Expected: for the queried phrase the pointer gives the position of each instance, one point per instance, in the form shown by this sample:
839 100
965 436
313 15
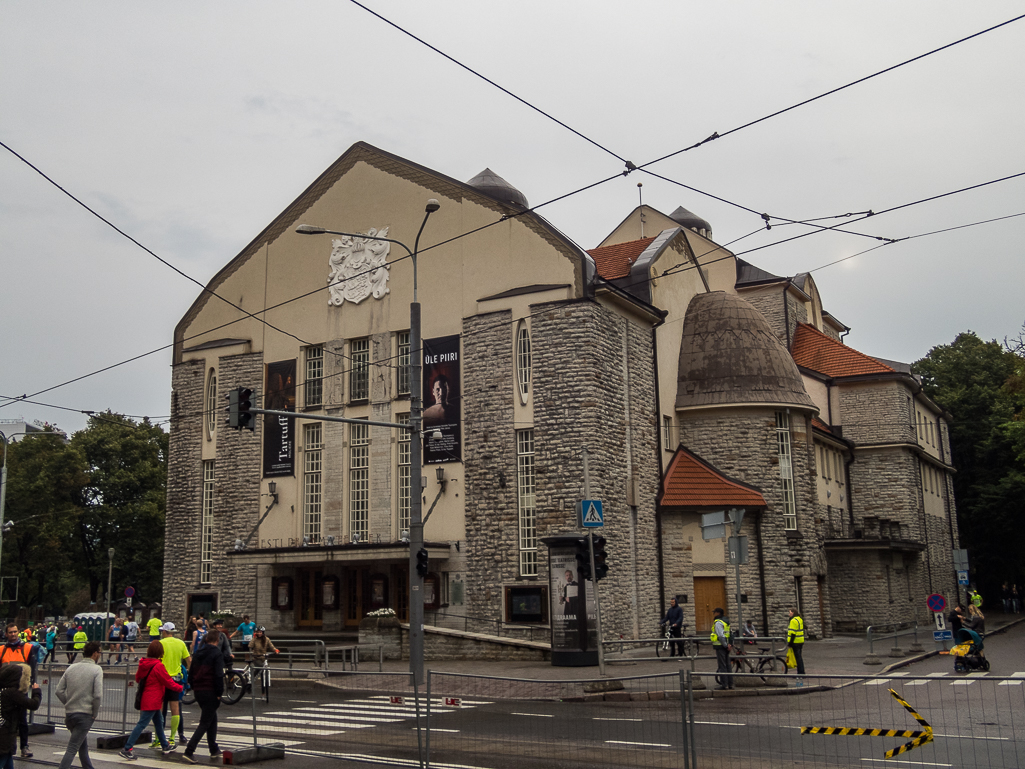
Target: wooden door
353 596
709 593
310 606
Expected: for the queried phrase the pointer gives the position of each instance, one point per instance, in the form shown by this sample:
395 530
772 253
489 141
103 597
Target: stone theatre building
695 381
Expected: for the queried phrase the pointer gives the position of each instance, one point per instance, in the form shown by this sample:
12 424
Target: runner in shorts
131 635
245 629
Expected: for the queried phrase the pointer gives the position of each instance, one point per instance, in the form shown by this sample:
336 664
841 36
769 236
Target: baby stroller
968 654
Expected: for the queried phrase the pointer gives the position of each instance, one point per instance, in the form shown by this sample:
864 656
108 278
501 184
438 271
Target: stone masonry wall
769 302
184 486
743 446
877 412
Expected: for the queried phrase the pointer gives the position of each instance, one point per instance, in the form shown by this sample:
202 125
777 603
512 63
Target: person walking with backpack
153 680
206 674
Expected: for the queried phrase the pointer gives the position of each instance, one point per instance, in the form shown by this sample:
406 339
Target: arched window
523 361
211 404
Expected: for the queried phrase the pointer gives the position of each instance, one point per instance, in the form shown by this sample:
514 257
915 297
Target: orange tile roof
614 261
691 482
816 422
814 350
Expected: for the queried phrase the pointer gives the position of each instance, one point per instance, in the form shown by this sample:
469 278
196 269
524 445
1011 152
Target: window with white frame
359 370
667 434
359 482
313 481
211 404
403 473
314 395
523 360
404 367
525 493
786 471
206 546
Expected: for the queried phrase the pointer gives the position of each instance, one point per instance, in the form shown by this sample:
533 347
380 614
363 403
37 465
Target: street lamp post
416 525
110 577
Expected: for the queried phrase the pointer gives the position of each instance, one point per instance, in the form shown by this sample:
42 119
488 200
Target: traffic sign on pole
591 514
129 591
936 602
962 578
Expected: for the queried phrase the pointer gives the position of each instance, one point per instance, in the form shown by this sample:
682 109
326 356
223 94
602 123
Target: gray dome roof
691 221
490 183
730 355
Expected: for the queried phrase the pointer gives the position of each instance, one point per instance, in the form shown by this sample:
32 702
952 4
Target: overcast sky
191 125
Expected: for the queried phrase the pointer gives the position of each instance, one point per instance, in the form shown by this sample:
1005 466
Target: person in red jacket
153 680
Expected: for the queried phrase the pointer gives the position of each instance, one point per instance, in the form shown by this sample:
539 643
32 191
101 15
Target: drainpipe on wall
661 472
786 311
761 574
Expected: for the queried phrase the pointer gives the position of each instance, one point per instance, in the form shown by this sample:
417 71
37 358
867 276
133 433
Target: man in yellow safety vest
722 640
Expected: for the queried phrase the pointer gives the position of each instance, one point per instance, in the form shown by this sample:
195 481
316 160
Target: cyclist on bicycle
261 646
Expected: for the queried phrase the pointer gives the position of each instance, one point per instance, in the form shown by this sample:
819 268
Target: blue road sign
936 602
962 578
591 514
942 635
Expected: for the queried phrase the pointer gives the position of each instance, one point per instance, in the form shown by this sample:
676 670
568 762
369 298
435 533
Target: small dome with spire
692 221
490 183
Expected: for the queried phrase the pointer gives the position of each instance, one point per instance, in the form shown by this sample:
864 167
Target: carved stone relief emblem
358 267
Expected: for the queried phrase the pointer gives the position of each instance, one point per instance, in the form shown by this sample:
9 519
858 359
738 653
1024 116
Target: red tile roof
816 422
614 261
691 482
814 350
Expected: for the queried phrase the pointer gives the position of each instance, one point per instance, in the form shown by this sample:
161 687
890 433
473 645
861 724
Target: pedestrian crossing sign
591 514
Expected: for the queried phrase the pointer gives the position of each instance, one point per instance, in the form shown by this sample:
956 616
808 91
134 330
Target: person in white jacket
81 691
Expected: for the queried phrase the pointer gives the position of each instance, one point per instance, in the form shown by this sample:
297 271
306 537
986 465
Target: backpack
139 691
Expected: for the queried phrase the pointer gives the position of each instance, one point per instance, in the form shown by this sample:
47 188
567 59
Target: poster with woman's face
442 397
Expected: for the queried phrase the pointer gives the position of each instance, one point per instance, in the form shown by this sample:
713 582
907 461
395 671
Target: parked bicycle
663 648
767 666
238 682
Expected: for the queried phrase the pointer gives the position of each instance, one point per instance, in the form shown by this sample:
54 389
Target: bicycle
764 667
663 647
238 682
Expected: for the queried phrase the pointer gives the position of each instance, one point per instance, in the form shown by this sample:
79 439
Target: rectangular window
404 473
403 373
839 468
207 535
667 434
786 471
359 483
313 482
525 488
822 462
921 470
314 395
359 370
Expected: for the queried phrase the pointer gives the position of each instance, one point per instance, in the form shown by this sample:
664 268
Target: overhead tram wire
717 135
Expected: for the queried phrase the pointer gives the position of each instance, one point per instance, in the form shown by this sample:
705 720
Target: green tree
122 504
979 384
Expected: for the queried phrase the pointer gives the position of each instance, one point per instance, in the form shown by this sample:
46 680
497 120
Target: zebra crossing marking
922 682
884 681
969 680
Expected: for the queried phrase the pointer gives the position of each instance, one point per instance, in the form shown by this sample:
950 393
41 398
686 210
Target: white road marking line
439 700
328 716
969 680
884 681
264 728
534 715
721 723
618 719
303 722
905 763
1013 683
435 729
375 708
923 683
397 761
642 744
970 737
310 702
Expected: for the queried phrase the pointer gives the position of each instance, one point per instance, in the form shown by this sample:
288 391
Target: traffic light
601 566
233 408
421 562
245 402
583 559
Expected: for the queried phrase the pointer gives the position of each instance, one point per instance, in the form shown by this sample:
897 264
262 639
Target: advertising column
572 611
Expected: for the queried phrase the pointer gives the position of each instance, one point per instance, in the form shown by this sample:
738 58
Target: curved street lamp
416 525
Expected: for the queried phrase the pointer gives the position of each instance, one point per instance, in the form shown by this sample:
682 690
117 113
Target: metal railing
894 631
486 626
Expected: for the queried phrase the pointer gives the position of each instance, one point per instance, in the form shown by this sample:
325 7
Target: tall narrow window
314 376
523 360
359 482
786 471
525 487
313 481
206 546
403 473
212 411
403 373
359 370
667 434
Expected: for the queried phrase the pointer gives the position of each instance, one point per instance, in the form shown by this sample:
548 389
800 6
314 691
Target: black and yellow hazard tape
919 738
850 732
